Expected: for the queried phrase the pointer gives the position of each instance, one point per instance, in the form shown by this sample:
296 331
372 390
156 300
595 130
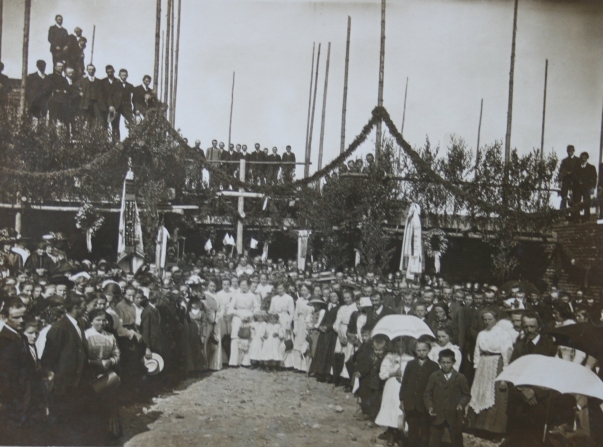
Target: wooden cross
241 194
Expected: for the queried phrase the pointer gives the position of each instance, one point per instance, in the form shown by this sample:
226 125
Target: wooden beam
247 195
175 98
309 148
546 77
479 133
511 82
157 46
381 76
324 110
92 48
172 39
25 56
166 69
307 159
231 107
1 16
345 86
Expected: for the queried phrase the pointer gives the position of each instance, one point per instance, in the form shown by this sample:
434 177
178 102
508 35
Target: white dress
258 330
241 307
435 350
389 413
340 326
302 322
273 348
284 307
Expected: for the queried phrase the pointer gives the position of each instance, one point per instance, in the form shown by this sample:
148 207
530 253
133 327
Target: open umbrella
561 375
582 336
393 326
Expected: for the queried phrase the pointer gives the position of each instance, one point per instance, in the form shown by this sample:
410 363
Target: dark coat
112 92
36 262
141 105
17 368
91 91
150 329
57 37
414 383
372 318
586 176
38 90
445 395
65 354
5 88
126 89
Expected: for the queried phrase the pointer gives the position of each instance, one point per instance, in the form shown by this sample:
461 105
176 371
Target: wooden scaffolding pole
25 56
404 111
345 86
166 68
172 39
157 46
546 78
1 16
511 79
231 107
307 156
309 148
159 81
600 149
92 48
174 99
324 110
381 76
479 134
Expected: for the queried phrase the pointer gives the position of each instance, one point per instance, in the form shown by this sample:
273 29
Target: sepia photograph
301 223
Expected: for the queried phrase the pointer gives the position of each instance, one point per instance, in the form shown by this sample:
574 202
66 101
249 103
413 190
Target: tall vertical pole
171 101
176 64
157 46
324 110
381 76
479 134
241 207
345 86
166 68
307 155
159 81
231 107
510 104
25 56
92 49
546 77
600 150
1 15
309 148
404 112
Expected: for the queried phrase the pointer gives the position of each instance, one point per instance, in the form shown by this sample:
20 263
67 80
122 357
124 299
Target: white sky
454 53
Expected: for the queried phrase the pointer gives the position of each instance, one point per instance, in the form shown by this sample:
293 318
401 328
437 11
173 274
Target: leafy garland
88 219
435 243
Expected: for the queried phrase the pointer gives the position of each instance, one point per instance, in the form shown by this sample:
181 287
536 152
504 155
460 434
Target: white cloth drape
411 259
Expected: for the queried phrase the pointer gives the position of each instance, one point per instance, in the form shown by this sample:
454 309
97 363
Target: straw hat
154 365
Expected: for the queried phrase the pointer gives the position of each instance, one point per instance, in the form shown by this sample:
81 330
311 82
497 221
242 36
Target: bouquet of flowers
89 220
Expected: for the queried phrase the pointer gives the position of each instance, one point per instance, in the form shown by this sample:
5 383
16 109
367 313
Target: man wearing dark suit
124 104
38 91
414 382
57 37
446 396
65 355
143 97
274 158
527 407
74 90
257 170
92 104
58 96
407 306
586 180
567 174
247 156
378 311
13 362
112 91
150 327
39 260
75 52
288 170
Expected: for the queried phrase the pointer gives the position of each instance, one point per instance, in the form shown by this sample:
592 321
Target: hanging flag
208 245
265 252
228 240
357 257
161 248
302 248
265 204
130 249
411 258
254 244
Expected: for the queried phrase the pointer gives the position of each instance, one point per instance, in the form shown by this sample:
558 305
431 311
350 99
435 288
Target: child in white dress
258 330
273 339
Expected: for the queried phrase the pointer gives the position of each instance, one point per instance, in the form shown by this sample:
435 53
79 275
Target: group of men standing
579 177
72 90
261 167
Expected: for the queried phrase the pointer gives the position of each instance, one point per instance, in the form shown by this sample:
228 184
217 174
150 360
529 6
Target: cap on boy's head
447 353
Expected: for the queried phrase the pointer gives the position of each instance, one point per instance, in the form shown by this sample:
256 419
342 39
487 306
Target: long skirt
389 413
213 346
324 354
493 419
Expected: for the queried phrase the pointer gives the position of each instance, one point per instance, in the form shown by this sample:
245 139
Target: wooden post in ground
381 76
546 77
231 107
157 46
25 56
324 110
174 99
92 48
510 103
345 86
479 133
309 148
166 68
307 156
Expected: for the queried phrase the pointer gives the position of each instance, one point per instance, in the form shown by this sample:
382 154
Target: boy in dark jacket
414 382
368 364
446 396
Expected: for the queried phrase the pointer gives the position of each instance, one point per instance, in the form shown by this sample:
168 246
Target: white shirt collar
536 339
91 78
74 322
447 375
11 329
42 75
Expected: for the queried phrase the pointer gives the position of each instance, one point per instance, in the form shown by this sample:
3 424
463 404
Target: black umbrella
582 336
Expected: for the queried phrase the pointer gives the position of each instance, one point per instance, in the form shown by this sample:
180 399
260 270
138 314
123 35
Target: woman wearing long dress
493 349
302 322
325 347
392 371
213 344
344 348
319 308
242 307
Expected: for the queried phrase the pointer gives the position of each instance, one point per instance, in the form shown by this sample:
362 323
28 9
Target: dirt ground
242 407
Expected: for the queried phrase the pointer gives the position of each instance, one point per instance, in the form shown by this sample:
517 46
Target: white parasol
393 326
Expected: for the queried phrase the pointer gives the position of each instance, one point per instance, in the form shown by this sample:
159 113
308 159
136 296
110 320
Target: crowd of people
80 338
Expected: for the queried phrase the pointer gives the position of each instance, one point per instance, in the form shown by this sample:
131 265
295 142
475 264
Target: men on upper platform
58 37
92 104
38 91
143 97
288 169
567 174
586 180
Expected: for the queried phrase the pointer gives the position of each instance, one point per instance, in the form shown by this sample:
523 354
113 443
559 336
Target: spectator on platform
274 166
143 97
198 148
58 39
288 169
5 88
124 106
76 44
112 93
92 104
59 97
38 91
257 169
586 180
567 175
73 96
